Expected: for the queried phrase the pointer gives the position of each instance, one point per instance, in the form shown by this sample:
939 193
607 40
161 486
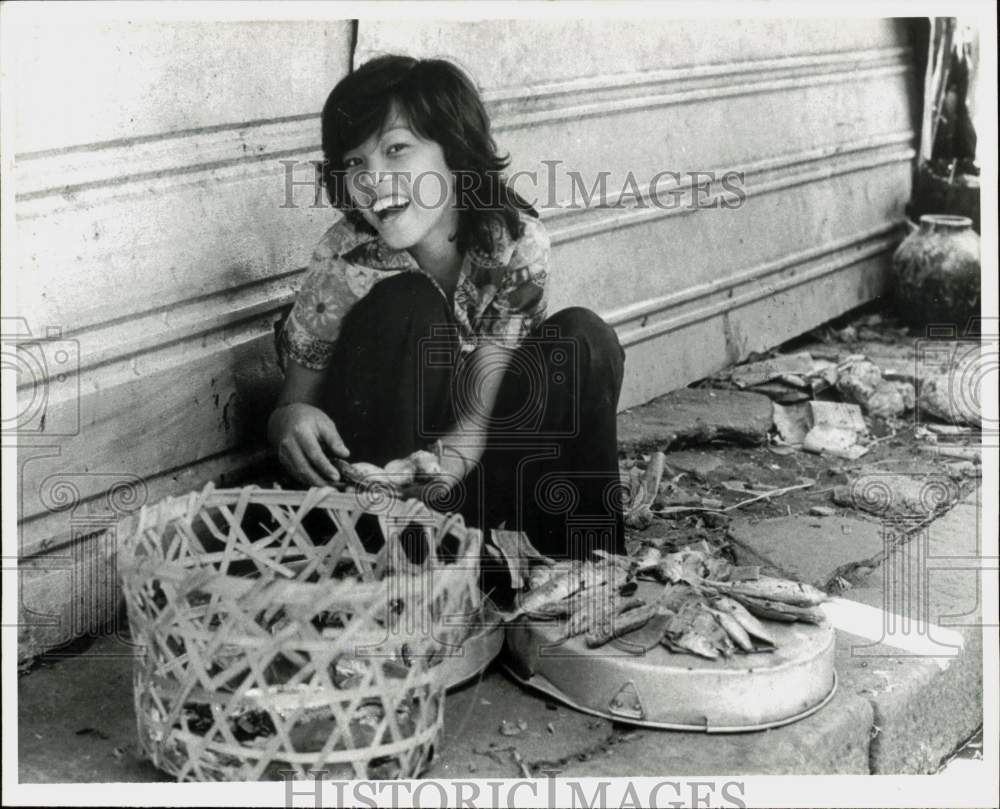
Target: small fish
588 612
739 613
706 625
780 611
696 644
629 615
426 464
734 629
363 474
560 586
774 589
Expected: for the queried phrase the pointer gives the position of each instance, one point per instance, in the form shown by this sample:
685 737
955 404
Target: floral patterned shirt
500 297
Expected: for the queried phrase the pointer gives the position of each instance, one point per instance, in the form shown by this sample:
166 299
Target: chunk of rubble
952 396
838 429
784 378
792 422
860 381
696 416
889 494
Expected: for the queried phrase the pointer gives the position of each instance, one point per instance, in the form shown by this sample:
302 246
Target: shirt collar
370 250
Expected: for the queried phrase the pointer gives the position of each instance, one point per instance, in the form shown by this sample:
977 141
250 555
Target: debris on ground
100 734
860 381
952 395
792 423
512 728
902 496
714 474
882 369
784 377
638 514
837 429
696 416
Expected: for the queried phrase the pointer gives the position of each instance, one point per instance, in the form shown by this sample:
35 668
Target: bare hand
302 436
435 488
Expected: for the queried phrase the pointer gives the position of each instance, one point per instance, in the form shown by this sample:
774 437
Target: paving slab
695 462
833 741
811 549
76 719
925 702
696 415
474 747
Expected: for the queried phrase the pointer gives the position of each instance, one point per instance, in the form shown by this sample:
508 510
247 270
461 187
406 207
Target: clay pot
937 274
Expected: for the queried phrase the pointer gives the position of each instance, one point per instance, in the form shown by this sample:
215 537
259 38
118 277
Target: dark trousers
550 467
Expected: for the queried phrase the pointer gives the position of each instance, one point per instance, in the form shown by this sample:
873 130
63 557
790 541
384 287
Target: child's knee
584 325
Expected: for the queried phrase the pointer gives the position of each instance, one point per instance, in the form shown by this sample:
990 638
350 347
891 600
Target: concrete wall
151 232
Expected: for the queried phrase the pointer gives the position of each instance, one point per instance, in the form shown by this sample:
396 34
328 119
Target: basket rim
184 509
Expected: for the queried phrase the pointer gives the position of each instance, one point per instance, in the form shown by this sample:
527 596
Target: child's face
402 185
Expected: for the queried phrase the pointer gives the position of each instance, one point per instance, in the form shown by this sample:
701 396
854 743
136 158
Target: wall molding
87 174
759 283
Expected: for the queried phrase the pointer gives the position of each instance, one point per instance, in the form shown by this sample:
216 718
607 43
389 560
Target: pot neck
942 223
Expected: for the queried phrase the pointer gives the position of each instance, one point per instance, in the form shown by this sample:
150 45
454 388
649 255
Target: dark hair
441 104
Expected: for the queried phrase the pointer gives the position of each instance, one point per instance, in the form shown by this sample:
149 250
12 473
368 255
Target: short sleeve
328 290
520 303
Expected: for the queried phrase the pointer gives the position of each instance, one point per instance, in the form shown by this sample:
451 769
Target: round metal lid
663 689
475 655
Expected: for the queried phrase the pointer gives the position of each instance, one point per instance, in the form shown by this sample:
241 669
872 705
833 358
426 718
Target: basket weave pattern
281 635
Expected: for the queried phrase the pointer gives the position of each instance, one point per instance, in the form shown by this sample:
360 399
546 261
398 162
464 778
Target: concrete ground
909 629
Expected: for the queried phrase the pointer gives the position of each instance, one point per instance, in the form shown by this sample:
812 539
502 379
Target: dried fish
427 464
780 611
591 610
631 614
739 613
734 629
348 671
691 642
402 472
775 589
560 586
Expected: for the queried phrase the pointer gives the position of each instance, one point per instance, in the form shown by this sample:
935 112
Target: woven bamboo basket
289 632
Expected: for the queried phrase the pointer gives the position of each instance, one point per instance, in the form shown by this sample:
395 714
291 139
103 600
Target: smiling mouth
386 209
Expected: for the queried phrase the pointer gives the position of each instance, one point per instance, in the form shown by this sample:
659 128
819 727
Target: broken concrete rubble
952 396
696 415
861 381
792 423
837 429
899 496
